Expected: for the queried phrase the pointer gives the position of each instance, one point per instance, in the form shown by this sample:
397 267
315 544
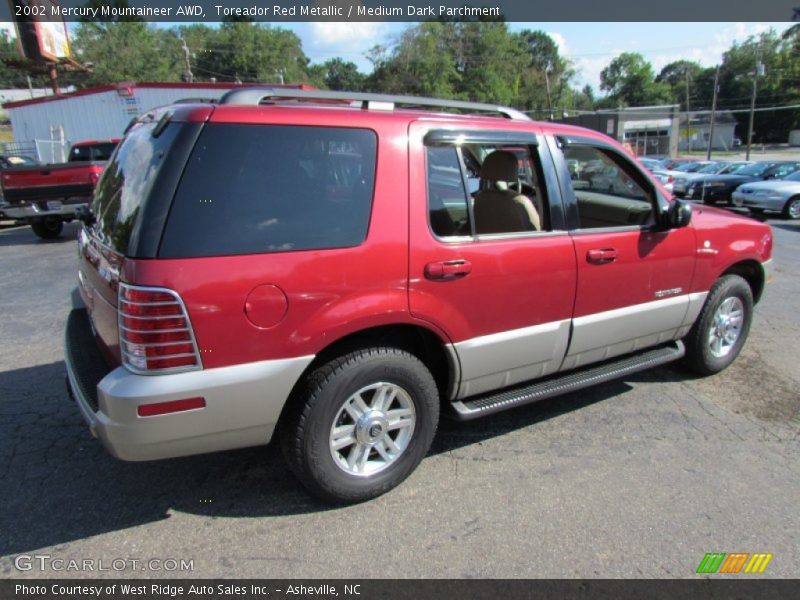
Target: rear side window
250 189
95 152
127 181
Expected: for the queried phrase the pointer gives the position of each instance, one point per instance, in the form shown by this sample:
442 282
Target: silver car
781 195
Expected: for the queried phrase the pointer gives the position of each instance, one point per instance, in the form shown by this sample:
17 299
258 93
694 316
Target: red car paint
331 294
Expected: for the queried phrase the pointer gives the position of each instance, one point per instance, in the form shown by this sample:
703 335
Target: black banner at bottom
367 589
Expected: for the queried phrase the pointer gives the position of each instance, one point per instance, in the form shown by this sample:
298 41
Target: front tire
362 424
48 228
718 334
791 209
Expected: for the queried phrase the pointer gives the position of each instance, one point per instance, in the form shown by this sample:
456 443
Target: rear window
94 152
126 182
250 189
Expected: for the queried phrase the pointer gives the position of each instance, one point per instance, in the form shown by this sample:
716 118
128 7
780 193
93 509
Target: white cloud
560 41
345 34
349 41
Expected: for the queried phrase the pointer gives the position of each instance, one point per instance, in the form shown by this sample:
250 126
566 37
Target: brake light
155 334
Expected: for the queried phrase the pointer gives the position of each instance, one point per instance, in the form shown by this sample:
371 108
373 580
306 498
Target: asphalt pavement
636 478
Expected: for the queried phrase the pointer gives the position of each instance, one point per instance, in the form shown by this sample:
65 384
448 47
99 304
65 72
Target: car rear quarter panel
330 293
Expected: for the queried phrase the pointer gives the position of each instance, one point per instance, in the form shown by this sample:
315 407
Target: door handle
600 256
448 269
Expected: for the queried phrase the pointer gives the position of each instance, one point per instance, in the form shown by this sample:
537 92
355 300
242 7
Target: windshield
755 170
793 177
686 167
99 152
712 168
734 168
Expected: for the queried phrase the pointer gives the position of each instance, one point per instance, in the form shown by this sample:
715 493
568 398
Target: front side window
609 190
484 189
250 189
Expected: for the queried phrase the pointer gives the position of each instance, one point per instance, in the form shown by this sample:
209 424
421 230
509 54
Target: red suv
334 269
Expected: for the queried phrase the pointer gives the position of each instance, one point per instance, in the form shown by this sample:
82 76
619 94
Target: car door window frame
546 178
635 172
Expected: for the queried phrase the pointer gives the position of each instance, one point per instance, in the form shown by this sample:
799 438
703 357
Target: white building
101 112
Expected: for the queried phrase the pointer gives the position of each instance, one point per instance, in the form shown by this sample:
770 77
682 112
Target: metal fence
46 151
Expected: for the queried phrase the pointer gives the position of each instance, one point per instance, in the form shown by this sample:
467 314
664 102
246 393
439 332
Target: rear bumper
39 210
243 402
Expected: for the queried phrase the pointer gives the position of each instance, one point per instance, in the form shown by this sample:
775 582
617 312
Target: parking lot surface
636 478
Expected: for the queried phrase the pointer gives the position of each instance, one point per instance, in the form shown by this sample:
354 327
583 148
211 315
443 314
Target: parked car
47 196
667 176
8 161
680 183
717 189
279 265
651 164
781 196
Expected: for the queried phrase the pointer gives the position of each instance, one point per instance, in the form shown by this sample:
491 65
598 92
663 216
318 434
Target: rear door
504 299
633 278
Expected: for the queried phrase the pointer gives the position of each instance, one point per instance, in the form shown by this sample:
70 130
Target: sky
590 45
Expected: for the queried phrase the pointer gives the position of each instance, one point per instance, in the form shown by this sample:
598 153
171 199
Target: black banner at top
208 11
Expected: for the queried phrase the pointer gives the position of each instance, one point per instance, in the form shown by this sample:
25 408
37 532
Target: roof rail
256 96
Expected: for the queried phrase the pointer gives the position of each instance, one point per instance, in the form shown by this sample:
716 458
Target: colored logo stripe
721 562
711 562
758 563
734 562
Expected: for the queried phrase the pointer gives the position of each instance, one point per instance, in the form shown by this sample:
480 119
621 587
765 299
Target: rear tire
47 228
791 209
718 334
362 424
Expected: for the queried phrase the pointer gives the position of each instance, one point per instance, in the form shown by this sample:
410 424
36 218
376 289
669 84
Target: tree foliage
630 81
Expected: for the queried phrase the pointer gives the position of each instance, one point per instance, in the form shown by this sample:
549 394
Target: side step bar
480 406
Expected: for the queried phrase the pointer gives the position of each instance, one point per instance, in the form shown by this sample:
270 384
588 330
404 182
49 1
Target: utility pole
713 114
279 73
758 70
188 76
547 86
688 138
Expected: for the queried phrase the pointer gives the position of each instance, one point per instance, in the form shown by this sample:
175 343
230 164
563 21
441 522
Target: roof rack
256 96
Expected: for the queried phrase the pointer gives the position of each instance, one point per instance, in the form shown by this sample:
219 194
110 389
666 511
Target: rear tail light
155 334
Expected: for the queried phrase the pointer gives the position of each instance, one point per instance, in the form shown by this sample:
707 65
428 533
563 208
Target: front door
633 277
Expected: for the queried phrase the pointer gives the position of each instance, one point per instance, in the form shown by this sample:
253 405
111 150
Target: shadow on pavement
61 485
16 235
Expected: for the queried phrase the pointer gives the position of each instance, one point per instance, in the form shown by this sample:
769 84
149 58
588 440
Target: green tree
775 62
248 52
126 51
336 74
680 75
630 81
547 84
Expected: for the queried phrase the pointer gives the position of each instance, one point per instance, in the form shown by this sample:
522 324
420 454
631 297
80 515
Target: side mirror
679 214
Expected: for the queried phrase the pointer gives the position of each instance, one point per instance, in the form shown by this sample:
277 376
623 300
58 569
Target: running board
479 406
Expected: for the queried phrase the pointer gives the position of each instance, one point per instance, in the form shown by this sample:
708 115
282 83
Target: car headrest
500 166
